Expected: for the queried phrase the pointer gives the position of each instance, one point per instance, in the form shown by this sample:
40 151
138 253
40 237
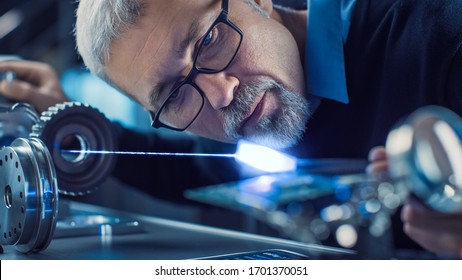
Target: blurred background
42 30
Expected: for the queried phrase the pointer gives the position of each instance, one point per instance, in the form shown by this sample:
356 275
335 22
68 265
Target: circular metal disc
29 190
424 152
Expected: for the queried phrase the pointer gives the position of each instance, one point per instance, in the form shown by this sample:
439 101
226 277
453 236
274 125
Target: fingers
36 83
418 215
377 153
438 232
443 243
17 90
24 67
378 160
40 98
377 167
36 73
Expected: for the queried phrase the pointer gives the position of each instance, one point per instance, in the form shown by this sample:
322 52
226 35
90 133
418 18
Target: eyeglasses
214 54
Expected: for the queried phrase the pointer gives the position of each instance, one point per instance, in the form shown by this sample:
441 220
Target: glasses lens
218 48
182 107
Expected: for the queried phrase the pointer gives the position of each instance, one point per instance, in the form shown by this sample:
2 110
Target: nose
218 88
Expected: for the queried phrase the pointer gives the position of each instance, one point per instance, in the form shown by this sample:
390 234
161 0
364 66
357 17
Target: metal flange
29 190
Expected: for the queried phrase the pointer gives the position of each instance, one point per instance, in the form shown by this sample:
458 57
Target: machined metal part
16 121
29 190
425 156
77 126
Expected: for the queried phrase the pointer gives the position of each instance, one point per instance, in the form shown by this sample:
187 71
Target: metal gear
29 189
78 127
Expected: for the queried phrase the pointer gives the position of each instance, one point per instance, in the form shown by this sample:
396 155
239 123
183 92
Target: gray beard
280 130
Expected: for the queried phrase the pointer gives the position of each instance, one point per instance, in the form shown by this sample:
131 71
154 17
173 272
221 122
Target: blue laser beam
145 153
256 156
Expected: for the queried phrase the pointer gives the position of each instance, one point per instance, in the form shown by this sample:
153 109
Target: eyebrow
192 34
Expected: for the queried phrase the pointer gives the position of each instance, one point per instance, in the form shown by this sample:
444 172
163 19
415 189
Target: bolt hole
19 178
15 231
17 165
4 235
1 162
22 209
11 156
19 225
20 194
9 233
8 197
6 158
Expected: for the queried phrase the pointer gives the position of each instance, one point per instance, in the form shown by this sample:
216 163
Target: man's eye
208 39
176 100
173 96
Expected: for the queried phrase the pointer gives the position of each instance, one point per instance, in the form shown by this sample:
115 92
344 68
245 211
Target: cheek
208 124
272 52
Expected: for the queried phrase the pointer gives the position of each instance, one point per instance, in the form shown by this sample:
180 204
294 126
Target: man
171 39
237 70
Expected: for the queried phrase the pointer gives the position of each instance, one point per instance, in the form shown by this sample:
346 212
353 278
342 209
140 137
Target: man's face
260 96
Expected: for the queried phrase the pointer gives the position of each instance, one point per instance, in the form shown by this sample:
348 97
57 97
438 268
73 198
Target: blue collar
327 29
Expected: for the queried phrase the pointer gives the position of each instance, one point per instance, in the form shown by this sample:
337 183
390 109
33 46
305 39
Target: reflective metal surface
425 156
16 121
29 191
7 76
158 239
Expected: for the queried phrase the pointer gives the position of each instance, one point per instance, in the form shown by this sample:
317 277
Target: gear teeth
82 120
51 112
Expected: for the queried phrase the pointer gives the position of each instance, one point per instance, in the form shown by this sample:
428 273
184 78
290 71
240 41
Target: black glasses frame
222 18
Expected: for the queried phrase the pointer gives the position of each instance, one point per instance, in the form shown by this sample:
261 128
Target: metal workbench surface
89 232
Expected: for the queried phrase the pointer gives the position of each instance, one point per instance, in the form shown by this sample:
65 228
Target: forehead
149 52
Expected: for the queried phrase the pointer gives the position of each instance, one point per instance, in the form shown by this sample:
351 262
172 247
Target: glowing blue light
264 158
342 192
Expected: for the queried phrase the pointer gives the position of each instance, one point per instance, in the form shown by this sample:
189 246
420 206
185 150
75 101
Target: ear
265 5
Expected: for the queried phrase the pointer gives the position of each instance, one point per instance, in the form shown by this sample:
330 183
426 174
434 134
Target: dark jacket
399 55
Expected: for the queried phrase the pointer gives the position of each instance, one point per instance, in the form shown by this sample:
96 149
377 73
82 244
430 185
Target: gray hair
98 24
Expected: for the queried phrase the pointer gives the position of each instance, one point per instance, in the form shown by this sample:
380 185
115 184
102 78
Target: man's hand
36 83
437 232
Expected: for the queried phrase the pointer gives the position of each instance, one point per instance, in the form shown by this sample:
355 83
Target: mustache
241 105
281 129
